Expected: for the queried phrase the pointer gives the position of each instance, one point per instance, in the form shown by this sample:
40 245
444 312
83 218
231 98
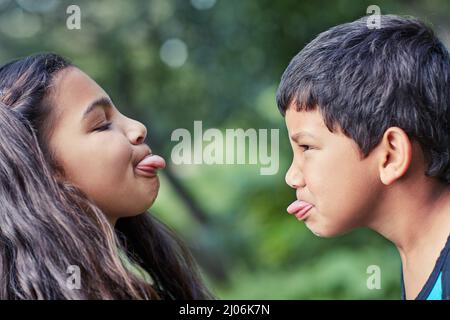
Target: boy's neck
415 216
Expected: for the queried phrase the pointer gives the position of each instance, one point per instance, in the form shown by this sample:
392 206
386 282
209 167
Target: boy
368 115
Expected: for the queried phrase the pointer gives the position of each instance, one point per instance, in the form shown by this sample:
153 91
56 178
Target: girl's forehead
73 90
71 93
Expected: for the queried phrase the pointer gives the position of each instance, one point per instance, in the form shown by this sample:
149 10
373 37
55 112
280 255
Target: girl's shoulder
134 267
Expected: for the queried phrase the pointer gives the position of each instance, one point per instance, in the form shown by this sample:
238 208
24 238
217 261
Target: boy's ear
396 155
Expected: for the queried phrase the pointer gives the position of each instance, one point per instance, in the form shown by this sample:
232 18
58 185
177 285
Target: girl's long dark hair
47 224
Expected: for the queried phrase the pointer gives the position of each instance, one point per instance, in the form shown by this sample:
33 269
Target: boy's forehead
306 121
311 125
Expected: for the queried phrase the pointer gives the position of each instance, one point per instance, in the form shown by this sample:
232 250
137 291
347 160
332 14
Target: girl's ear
59 177
58 173
396 150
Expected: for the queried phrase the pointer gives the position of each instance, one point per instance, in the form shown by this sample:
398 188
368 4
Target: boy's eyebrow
100 102
302 134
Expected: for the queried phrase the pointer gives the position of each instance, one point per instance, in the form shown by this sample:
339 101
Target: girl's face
99 148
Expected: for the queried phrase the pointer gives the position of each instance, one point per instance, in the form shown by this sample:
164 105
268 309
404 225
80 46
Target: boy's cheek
336 212
349 210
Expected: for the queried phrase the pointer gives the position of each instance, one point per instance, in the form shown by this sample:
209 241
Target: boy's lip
302 214
299 208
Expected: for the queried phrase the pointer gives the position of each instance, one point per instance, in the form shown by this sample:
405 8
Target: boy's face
328 173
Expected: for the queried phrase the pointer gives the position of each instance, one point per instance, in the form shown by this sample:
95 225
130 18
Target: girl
76 181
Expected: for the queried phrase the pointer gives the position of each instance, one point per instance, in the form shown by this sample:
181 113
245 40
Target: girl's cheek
117 154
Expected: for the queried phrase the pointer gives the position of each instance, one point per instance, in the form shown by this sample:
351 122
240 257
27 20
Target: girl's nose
137 132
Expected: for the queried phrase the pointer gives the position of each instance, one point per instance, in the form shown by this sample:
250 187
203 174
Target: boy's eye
305 147
104 127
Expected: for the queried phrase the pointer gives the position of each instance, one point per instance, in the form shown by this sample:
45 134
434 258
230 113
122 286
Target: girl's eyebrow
100 102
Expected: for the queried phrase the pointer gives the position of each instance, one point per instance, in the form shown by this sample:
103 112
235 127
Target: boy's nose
294 178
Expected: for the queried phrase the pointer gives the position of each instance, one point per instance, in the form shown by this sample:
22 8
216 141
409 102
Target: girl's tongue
152 161
297 205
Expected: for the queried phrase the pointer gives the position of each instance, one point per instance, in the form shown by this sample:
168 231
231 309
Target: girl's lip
151 161
146 171
149 164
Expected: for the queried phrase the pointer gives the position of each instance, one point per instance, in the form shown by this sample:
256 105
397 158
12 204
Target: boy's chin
323 232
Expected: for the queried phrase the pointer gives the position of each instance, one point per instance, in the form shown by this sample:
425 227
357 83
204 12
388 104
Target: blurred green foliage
226 64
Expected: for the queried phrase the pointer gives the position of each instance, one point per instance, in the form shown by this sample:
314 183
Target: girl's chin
151 198
147 186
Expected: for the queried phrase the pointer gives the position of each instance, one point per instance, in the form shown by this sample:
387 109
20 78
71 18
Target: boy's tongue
297 205
152 161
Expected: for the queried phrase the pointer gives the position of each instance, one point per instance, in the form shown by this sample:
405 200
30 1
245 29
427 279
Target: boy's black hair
367 80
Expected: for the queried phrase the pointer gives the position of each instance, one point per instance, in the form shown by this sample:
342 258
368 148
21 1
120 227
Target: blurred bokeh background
168 63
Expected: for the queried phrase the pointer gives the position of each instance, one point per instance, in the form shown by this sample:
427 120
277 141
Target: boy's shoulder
437 287
446 271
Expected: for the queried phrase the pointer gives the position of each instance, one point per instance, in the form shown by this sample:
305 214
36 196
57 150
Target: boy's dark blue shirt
437 287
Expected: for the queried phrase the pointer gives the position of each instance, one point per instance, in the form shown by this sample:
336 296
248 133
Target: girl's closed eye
103 127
